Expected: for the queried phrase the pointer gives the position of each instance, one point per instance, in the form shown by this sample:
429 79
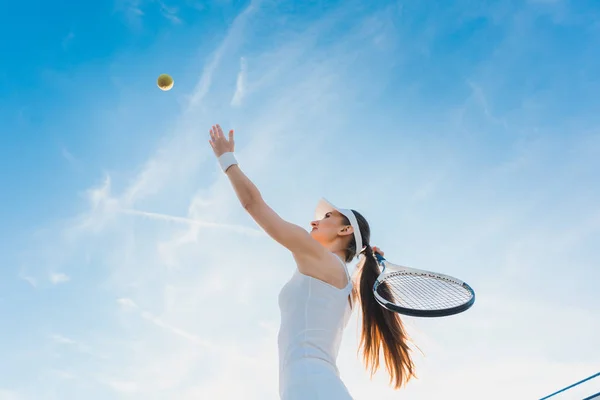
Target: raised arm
289 235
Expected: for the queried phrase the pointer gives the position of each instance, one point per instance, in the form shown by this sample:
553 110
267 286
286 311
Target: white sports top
314 315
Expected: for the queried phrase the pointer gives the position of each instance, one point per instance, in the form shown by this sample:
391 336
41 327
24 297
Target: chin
315 235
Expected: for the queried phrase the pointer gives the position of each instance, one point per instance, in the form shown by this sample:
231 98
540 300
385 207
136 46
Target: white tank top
314 315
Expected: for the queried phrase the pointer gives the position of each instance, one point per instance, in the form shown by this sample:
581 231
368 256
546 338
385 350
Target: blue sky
467 133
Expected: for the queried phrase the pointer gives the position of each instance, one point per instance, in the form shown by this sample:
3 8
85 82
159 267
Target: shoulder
326 267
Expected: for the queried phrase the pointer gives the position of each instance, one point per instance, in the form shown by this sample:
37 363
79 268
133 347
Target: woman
317 302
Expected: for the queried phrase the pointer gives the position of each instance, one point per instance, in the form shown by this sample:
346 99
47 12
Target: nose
314 224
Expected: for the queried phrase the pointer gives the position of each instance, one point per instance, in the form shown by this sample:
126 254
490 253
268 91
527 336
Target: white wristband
226 160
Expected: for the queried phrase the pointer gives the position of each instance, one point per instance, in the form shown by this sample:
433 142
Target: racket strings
424 292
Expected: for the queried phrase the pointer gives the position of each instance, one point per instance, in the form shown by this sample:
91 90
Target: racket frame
419 313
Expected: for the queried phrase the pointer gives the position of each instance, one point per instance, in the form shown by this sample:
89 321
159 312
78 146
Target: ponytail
381 329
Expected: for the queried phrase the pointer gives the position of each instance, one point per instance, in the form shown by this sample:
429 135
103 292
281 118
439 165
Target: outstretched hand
219 143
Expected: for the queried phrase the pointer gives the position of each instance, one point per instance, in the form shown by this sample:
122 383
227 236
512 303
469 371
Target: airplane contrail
194 222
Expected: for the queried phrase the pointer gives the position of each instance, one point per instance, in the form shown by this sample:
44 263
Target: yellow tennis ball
165 82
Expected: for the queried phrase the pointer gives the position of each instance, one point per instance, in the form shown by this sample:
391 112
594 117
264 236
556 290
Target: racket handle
379 257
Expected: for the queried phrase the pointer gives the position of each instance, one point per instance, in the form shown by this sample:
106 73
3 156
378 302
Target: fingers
220 132
377 250
217 138
216 132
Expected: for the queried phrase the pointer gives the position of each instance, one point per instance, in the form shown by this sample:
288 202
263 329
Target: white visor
324 207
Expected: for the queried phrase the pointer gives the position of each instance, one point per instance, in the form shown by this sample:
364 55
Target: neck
341 253
337 248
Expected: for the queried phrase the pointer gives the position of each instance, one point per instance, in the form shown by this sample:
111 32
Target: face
330 228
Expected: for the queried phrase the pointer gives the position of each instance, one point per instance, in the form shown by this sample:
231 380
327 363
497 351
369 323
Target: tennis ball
165 82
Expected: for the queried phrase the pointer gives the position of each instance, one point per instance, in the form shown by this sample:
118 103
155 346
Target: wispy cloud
134 11
169 13
127 303
177 331
70 158
232 40
76 345
68 155
63 340
240 87
57 278
103 207
476 104
30 280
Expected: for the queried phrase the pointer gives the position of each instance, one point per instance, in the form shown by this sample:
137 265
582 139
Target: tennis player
318 300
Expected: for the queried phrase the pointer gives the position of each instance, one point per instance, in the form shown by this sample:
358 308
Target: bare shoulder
325 267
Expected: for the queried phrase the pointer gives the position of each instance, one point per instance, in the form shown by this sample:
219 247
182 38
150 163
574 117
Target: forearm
245 190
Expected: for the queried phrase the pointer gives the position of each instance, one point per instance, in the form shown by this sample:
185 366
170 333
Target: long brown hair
381 329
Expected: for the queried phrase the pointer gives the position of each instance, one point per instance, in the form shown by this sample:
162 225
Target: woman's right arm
289 235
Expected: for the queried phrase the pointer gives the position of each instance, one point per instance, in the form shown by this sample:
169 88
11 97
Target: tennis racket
419 293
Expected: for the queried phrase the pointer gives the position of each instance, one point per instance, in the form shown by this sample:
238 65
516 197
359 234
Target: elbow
251 204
